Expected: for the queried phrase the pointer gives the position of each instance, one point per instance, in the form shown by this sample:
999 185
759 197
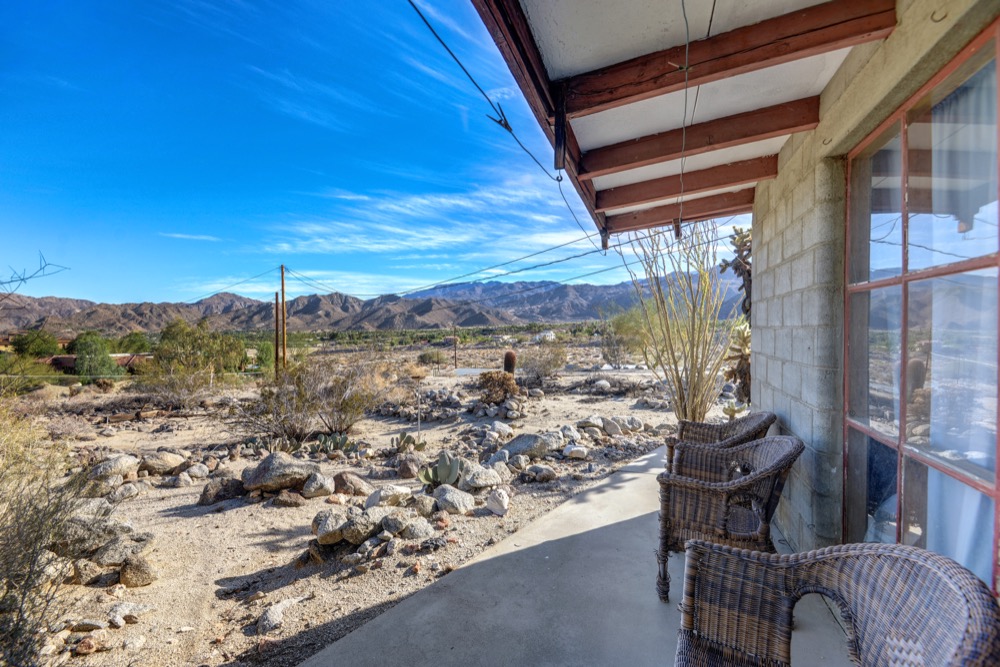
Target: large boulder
161 463
453 501
532 445
391 495
318 485
352 485
477 477
123 465
328 525
218 490
278 471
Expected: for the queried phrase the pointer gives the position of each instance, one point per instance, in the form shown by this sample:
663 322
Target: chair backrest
743 429
902 605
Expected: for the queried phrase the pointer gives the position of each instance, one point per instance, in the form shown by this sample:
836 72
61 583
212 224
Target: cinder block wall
798 261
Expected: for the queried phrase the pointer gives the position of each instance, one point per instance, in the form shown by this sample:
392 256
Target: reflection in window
952 369
872 495
875 332
877 210
952 173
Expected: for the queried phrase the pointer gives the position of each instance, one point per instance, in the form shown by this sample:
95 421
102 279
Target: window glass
871 490
950 518
877 210
951 371
952 169
874 344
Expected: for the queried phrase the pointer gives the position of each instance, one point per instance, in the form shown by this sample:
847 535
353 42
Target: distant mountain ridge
482 304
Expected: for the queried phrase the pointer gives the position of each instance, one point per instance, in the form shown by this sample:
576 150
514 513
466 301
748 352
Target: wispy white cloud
189 237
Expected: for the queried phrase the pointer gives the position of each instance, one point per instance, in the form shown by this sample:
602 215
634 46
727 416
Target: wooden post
277 331
284 322
454 332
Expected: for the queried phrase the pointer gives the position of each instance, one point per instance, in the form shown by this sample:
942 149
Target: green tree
265 355
135 342
93 357
36 344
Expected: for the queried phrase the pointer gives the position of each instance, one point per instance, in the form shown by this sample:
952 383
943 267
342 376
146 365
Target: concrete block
828 263
802 271
791 379
803 343
791 309
783 280
792 239
803 199
822 305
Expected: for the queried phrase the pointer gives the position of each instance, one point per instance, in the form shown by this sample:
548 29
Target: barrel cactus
509 361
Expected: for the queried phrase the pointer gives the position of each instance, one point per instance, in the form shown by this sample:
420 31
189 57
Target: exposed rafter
737 130
722 177
811 31
729 203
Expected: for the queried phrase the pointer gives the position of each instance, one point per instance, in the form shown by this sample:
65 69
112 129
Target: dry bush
497 386
353 387
35 505
542 362
286 408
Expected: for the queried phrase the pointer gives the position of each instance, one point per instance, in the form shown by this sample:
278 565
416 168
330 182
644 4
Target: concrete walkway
575 587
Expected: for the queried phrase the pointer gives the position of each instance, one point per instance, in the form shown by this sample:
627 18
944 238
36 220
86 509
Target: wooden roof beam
737 130
807 32
715 206
724 176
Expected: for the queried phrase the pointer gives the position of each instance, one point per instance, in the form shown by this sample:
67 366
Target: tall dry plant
36 502
681 297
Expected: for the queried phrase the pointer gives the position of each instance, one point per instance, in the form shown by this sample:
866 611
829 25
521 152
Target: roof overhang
649 141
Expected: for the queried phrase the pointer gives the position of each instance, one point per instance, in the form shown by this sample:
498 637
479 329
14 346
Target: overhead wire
229 287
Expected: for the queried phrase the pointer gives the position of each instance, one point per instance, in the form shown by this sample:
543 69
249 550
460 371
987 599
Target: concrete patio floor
575 587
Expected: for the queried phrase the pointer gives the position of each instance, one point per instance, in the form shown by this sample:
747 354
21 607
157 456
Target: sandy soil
220 567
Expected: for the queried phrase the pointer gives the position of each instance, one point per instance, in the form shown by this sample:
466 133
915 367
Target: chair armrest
703 432
734 607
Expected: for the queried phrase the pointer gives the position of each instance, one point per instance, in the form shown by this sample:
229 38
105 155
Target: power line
229 287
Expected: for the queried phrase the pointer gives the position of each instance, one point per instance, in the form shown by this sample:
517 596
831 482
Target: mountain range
480 304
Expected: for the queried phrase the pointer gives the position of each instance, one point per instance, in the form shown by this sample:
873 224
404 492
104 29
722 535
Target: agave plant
447 471
407 443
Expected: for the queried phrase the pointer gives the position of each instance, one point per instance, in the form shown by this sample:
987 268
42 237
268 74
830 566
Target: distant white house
545 337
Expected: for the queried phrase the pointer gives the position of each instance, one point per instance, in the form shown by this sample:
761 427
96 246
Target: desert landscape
210 549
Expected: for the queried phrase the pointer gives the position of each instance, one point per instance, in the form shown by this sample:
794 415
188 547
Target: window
922 318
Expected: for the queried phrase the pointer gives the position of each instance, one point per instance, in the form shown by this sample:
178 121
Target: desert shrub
188 362
36 344
265 355
497 386
135 342
432 358
35 505
352 387
286 409
621 337
21 374
542 362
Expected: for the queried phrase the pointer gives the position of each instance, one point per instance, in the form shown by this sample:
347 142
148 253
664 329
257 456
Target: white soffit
693 163
738 94
577 36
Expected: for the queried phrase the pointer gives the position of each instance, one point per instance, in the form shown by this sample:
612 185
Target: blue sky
167 149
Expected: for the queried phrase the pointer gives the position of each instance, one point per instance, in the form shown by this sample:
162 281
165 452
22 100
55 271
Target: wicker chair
901 605
726 434
724 495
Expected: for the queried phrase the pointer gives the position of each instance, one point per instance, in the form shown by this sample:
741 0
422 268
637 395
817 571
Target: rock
570 433
278 471
134 643
121 548
116 622
88 645
396 523
86 572
591 422
454 501
122 464
417 529
503 472
102 486
513 414
520 462
424 504
363 525
594 433
198 471
136 571
88 624
542 473
180 481
533 445
129 611
612 428
317 485
409 466
536 393
218 490
477 477
288 498
161 463
123 492
498 502
602 386
273 618
503 431
328 525
576 452
352 485
390 495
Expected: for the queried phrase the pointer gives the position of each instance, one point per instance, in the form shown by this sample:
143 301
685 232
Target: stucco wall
798 233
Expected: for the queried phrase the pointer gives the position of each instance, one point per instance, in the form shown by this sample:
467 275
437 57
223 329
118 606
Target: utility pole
454 334
284 322
277 330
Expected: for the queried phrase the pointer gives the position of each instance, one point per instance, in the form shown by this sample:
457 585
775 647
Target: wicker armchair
726 434
902 606
724 495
